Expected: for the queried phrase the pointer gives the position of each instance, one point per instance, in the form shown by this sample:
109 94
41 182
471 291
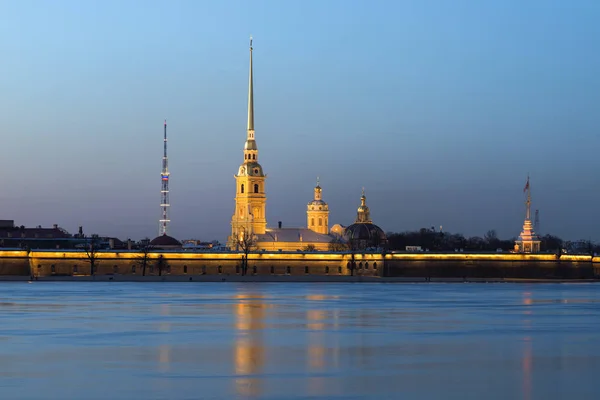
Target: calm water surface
134 341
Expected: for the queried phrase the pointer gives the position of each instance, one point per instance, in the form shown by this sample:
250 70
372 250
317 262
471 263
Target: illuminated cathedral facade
249 223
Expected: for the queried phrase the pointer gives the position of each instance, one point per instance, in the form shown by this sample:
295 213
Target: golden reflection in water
249 352
316 319
316 349
164 350
527 365
165 325
164 357
527 300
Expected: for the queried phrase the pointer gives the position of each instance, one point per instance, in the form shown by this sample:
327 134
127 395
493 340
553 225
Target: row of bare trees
144 259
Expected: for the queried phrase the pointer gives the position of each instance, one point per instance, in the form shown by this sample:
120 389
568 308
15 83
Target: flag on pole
526 185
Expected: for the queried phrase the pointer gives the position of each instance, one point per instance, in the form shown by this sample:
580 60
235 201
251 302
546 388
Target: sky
439 109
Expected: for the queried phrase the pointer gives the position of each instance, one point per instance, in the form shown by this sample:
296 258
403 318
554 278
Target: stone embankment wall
451 265
526 266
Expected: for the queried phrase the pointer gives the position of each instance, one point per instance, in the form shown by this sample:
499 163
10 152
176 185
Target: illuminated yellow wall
44 263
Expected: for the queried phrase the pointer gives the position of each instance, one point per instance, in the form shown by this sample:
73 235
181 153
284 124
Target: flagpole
528 186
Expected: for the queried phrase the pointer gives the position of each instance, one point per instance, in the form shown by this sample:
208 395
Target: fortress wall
501 265
47 263
14 263
497 266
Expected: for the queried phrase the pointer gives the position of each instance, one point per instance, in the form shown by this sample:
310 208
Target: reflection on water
527 368
278 341
249 353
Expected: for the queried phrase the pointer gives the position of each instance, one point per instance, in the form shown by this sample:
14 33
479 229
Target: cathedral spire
250 148
250 99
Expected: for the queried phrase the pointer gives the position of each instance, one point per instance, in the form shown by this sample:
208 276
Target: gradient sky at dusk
439 109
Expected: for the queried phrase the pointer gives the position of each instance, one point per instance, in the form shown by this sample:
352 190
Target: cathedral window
254 156
242 188
320 221
312 222
256 188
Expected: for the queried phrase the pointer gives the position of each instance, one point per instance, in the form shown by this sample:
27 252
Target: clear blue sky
438 108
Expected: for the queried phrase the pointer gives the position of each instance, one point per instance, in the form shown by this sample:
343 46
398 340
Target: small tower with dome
363 233
317 213
528 241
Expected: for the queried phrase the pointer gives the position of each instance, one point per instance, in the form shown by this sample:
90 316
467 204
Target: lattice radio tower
164 192
536 222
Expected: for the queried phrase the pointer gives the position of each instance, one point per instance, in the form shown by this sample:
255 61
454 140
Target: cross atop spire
318 182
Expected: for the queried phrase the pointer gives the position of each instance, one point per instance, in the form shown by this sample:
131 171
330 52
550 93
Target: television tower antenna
536 222
164 192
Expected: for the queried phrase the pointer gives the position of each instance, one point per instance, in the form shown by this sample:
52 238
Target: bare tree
309 248
91 251
144 257
354 245
246 243
337 245
161 265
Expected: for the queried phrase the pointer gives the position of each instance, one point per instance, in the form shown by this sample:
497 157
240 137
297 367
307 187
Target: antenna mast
164 192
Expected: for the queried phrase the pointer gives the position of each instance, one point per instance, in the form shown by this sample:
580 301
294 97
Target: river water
62 340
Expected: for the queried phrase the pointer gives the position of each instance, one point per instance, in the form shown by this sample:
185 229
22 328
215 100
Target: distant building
528 241
35 238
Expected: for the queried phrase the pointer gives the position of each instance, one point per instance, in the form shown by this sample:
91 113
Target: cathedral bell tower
249 217
317 213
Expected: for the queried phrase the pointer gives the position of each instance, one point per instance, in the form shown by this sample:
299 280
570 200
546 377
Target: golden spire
250 97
